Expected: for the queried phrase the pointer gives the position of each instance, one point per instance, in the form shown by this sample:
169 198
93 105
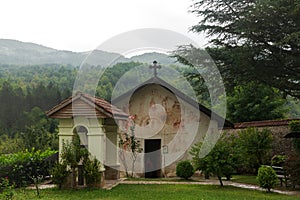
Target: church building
166 122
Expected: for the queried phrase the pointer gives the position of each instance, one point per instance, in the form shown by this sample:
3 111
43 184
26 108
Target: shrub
6 189
294 125
59 174
22 166
278 160
266 177
71 156
255 147
184 169
221 161
92 172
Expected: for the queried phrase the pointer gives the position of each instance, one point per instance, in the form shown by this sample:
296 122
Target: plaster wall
160 114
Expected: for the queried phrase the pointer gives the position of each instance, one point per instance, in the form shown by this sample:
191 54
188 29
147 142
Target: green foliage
26 156
92 172
59 174
129 142
17 103
6 189
221 161
244 152
191 74
184 169
195 152
266 177
249 44
295 126
10 145
293 104
278 160
111 76
199 163
198 61
255 102
22 167
254 146
37 133
72 154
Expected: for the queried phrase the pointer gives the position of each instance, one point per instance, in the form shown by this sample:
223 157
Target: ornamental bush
59 174
92 172
266 177
184 169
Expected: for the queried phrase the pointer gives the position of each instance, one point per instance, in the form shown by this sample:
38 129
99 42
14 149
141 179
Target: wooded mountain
150 57
15 52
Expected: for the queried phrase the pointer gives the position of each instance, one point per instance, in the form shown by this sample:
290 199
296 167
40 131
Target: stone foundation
112 172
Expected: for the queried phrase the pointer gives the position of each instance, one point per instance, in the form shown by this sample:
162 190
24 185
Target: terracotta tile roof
88 106
266 123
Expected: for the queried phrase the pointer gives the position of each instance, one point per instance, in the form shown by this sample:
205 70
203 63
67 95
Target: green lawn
244 179
165 179
148 192
252 180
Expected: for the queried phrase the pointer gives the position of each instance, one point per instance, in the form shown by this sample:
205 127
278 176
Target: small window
82 133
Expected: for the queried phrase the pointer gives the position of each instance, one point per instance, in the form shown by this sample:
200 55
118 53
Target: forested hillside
22 53
26 92
13 52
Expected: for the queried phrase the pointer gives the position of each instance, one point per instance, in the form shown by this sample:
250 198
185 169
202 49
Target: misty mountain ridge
13 52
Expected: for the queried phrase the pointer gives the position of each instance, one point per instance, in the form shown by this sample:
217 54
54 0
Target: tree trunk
228 177
220 179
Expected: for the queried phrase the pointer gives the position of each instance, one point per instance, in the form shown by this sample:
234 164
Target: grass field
245 179
148 192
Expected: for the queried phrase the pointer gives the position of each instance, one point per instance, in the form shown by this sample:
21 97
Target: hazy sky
83 25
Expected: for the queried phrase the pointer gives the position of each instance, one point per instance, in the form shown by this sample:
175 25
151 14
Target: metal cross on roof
155 67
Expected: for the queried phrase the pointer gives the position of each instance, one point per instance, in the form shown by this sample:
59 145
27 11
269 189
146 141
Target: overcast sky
83 25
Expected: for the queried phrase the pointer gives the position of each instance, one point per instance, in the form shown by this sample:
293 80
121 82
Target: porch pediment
84 105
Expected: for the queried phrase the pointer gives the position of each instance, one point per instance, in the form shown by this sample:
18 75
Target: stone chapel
167 123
